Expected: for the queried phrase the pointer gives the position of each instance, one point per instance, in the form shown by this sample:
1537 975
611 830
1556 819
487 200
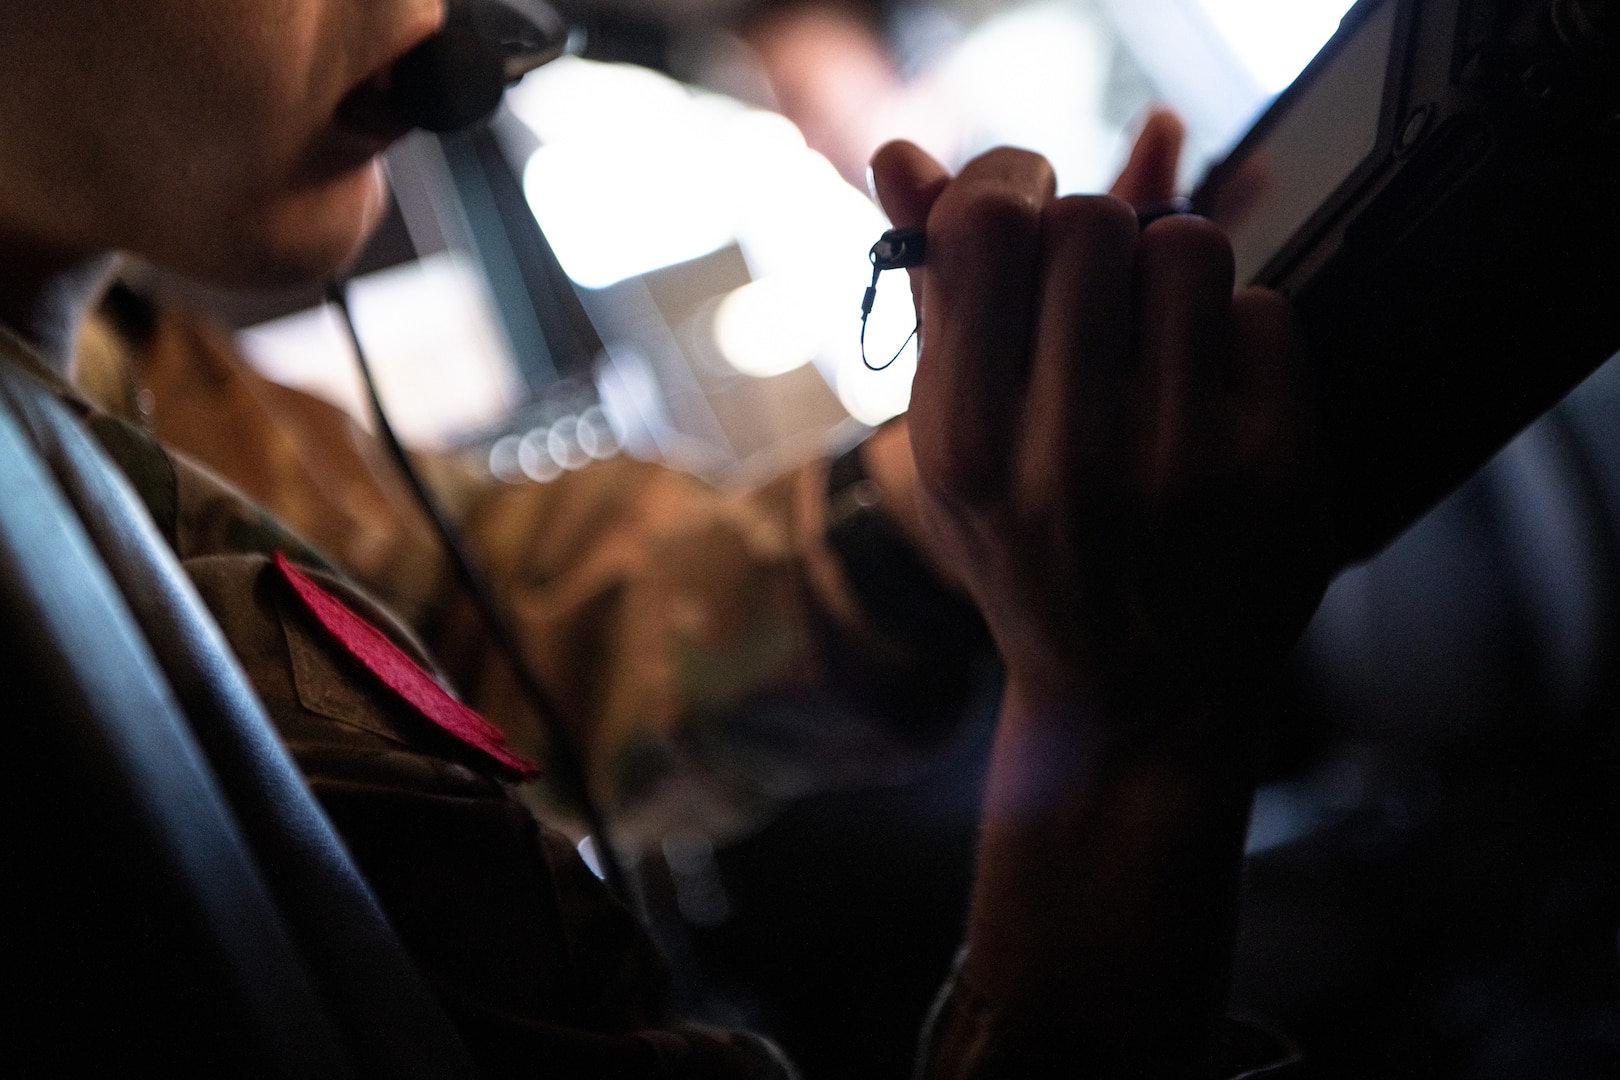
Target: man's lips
362 127
366 111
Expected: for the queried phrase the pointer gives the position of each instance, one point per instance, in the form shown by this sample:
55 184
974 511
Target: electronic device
456 78
1439 193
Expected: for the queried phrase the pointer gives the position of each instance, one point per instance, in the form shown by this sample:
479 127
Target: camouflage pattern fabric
700 642
542 970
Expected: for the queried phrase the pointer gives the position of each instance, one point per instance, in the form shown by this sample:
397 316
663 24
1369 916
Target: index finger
981 286
906 181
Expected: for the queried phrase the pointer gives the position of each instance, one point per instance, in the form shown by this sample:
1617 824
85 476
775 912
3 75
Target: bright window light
874 396
762 330
629 177
1035 77
434 341
636 172
612 214
1275 39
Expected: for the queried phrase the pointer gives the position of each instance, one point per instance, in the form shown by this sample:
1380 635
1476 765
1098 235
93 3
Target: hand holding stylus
1114 456
1112 445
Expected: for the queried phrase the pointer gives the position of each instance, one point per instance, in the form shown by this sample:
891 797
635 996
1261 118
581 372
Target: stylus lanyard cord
902 249
566 758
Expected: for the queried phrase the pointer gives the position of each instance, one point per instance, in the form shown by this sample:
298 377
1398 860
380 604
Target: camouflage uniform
700 643
657 607
542 970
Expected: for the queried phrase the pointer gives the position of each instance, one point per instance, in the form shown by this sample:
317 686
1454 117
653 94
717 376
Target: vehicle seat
179 903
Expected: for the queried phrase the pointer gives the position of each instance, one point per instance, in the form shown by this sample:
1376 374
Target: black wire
566 759
899 249
896 249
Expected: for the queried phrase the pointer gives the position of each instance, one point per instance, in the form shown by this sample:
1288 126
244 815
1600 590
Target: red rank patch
403 675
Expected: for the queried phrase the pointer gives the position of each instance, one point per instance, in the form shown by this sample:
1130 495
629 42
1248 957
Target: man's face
234 140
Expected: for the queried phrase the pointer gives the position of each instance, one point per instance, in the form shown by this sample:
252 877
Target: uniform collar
16 349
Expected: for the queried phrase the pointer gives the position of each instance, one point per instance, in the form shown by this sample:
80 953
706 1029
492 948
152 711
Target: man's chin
309 239
281 268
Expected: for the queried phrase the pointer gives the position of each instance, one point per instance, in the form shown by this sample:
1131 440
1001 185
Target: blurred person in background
831 71
956 77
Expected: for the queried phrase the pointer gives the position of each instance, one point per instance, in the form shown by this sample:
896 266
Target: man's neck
45 301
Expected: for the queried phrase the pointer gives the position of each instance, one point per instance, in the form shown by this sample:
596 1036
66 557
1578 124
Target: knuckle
1265 307
1188 241
1264 328
997 199
1097 220
1009 163
893 150
985 214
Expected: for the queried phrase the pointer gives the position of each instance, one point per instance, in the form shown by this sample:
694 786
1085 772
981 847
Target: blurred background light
535 457
721 256
874 396
596 435
1036 77
635 173
1275 39
563 443
720 251
503 460
762 331
435 344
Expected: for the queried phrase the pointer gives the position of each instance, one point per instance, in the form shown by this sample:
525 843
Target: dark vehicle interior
180 885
